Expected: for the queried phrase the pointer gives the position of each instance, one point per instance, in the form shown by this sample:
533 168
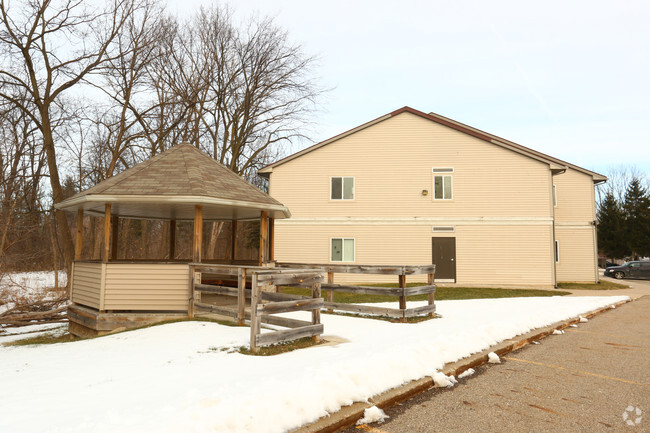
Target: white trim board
537 221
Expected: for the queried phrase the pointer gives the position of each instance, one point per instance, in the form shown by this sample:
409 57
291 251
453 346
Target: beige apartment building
411 188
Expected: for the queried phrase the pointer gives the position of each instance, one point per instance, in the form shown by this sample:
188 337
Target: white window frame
354 186
354 250
443 172
554 195
557 251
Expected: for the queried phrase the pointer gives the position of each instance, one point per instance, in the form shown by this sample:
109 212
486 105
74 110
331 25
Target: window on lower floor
342 250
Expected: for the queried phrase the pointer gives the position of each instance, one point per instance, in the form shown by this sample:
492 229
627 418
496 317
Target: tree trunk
63 229
215 231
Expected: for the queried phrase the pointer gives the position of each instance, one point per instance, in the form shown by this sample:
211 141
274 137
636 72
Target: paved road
581 381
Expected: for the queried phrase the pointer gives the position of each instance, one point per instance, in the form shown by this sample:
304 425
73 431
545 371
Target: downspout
595 232
553 255
595 252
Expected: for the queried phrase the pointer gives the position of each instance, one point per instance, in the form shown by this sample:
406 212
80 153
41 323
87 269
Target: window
554 195
442 188
342 188
557 251
342 250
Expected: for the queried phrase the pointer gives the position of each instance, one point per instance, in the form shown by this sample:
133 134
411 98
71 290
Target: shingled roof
170 184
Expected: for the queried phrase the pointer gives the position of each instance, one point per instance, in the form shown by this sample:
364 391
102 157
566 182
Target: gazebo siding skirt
135 293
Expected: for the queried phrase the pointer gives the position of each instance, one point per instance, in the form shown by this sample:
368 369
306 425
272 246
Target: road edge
348 415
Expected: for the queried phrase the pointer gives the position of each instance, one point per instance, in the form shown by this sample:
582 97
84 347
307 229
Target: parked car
635 269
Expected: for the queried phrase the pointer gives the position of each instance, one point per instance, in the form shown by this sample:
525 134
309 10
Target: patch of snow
21 287
372 414
180 377
583 319
443 381
10 334
536 342
573 325
493 358
557 332
466 373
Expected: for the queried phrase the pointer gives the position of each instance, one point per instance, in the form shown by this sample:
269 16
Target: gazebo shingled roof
170 184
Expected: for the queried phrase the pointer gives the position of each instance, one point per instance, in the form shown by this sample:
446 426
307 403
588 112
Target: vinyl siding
392 161
574 214
575 197
485 254
576 254
86 284
137 286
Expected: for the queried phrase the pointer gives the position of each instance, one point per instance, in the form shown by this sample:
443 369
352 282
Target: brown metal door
444 257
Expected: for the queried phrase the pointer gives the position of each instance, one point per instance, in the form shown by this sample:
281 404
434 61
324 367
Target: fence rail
401 292
264 303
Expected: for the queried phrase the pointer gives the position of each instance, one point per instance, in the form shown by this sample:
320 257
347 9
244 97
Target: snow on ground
185 377
28 286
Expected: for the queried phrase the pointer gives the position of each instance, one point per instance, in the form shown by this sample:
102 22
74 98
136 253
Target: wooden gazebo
180 184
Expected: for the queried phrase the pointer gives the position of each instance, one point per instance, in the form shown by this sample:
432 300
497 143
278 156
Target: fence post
255 320
315 314
431 295
241 296
330 293
402 297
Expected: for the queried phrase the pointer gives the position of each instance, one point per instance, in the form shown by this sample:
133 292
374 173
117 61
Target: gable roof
181 176
557 165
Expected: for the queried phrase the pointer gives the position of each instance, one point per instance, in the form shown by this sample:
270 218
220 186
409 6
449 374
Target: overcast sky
567 78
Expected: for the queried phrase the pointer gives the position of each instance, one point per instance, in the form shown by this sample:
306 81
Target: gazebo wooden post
115 223
264 234
271 239
233 242
198 233
80 231
172 239
107 231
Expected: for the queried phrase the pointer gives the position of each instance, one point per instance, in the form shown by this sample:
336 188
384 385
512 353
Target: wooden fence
401 292
265 302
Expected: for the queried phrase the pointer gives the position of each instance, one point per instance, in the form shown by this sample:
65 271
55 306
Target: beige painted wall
131 286
574 214
575 197
136 286
486 254
576 260
392 161
86 284
502 208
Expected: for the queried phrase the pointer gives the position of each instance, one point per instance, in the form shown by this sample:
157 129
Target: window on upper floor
342 250
557 251
442 183
342 188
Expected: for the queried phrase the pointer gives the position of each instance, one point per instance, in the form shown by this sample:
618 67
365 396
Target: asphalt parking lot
593 378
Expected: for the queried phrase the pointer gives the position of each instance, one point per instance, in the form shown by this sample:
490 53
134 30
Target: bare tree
46 48
618 179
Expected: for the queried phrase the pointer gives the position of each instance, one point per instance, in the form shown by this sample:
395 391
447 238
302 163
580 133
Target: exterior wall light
425 192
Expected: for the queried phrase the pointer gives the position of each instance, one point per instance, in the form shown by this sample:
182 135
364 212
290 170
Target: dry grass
286 347
602 285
